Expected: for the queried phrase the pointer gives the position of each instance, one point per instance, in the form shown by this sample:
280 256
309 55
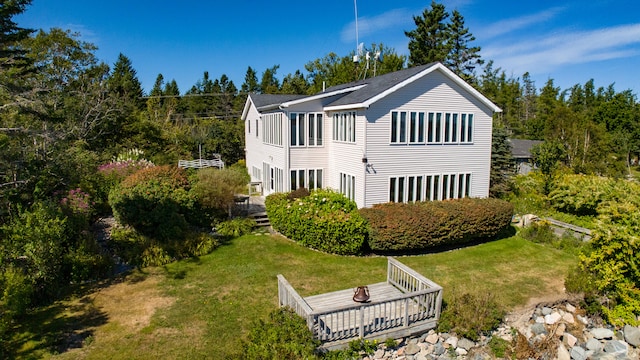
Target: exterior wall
432 93
258 153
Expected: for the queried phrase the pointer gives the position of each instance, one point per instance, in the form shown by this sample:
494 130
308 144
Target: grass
202 308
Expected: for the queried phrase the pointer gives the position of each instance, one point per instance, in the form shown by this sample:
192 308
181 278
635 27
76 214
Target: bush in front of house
156 202
419 226
324 220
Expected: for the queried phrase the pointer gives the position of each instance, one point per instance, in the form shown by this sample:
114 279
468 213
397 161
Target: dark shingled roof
375 85
263 100
521 149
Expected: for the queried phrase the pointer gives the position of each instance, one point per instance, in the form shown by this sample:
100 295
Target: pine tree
462 58
429 41
502 163
124 84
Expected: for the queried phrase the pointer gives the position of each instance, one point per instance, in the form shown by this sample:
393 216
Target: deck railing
417 308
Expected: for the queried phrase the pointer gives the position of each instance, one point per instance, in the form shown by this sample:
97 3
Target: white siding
433 93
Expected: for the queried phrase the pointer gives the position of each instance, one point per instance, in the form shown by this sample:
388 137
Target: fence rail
201 163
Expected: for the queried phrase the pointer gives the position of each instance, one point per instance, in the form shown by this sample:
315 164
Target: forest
65 115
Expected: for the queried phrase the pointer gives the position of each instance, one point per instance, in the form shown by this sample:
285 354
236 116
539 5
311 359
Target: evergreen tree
430 40
269 83
295 84
462 58
124 84
250 84
502 163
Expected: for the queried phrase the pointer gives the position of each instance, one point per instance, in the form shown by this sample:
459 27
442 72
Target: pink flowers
123 168
77 201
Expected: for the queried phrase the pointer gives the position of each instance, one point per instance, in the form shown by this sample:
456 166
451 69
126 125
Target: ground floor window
348 185
273 178
310 179
429 187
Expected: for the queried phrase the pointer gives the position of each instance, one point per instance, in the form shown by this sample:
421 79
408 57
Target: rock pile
559 331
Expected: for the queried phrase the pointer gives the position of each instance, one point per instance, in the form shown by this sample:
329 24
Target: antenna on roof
358 49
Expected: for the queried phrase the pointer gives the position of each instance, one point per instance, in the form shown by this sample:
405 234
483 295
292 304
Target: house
416 134
521 152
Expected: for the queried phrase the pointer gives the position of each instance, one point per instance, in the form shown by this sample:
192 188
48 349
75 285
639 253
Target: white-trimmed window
273 178
306 129
344 127
348 185
310 179
429 187
256 173
412 127
406 188
272 129
256 127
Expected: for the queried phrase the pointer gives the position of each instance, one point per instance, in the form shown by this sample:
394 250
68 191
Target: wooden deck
407 303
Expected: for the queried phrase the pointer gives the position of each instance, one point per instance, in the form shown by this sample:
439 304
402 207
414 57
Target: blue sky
568 41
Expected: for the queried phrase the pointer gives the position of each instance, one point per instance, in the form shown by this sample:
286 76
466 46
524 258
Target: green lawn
201 308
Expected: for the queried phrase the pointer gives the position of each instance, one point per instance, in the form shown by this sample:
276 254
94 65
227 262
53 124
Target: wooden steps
260 218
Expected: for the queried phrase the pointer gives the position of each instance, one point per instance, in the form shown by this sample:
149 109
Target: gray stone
632 335
616 347
583 319
552 318
540 319
570 308
563 353
602 333
379 354
538 329
421 356
461 352
438 349
452 341
578 353
546 310
593 345
466 344
412 349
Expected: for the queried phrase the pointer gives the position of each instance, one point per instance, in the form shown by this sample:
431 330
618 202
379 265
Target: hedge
324 220
418 226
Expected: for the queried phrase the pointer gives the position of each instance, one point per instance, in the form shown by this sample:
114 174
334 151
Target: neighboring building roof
521 149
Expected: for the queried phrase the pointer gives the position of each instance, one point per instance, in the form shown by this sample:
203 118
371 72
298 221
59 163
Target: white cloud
368 26
545 54
509 25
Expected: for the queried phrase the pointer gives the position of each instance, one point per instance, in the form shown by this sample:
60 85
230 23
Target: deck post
406 312
361 321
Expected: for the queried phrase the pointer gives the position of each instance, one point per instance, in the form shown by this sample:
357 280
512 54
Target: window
256 173
434 127
310 179
306 126
256 127
406 188
447 186
272 178
348 185
272 129
249 126
344 127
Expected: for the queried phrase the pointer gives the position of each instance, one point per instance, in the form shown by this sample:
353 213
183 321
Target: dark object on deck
361 294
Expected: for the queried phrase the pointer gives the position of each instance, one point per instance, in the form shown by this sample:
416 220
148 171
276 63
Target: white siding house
416 134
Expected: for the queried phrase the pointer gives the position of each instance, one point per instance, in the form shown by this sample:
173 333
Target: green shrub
284 335
325 220
155 201
356 350
500 348
470 315
235 227
418 226
215 189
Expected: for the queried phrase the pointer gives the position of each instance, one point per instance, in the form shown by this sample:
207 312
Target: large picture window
272 129
412 127
429 187
306 129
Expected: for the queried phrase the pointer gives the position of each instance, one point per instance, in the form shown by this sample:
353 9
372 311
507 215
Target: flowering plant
78 202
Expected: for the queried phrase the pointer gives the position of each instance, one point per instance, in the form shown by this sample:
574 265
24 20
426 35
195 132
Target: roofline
437 66
245 110
286 104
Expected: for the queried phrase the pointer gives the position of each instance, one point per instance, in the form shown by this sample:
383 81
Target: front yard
201 308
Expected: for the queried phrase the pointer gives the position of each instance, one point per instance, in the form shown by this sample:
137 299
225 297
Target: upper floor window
344 127
412 127
272 129
306 129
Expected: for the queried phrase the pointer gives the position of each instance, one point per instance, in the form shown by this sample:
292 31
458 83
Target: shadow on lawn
62 326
